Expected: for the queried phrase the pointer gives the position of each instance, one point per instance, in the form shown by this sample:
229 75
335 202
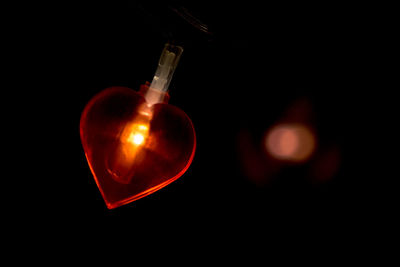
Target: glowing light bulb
138 135
136 139
135 142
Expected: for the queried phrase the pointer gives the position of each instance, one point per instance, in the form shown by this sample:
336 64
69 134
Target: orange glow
131 142
143 127
138 134
133 150
290 142
136 139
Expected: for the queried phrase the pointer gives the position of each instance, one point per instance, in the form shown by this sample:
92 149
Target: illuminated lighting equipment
135 142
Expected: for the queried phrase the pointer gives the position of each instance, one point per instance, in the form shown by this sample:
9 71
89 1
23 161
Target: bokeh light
290 142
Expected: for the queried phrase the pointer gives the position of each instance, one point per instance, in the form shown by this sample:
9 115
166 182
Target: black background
237 80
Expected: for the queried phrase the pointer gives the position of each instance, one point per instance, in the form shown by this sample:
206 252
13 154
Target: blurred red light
290 142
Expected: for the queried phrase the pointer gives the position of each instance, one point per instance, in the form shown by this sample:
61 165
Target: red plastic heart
130 155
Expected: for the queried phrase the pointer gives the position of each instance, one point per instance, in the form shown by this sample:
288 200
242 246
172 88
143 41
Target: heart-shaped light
135 142
129 154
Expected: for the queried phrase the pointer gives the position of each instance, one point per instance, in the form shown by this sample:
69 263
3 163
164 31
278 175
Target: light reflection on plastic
290 142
